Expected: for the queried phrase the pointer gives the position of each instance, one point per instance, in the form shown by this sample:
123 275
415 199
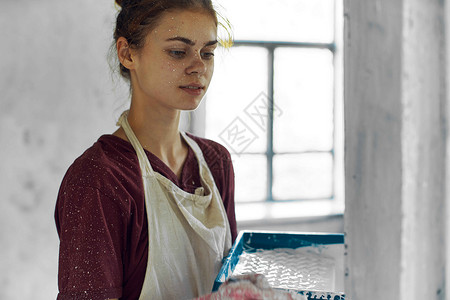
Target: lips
193 88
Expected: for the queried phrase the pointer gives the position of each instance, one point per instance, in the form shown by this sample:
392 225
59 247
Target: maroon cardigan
101 220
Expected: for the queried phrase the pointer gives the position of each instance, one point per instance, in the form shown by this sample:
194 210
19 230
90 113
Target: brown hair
137 17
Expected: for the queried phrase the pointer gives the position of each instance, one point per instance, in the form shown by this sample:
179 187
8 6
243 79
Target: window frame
271 47
311 208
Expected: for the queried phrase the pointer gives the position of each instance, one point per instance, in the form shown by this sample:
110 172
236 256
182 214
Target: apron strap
194 146
146 168
203 166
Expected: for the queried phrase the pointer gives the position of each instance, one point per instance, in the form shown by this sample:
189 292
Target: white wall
57 97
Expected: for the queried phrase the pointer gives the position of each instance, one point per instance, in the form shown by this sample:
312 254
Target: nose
197 66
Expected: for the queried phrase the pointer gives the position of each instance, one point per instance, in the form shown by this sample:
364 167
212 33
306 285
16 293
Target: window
275 103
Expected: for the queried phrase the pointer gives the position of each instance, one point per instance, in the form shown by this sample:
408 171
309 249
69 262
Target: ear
124 53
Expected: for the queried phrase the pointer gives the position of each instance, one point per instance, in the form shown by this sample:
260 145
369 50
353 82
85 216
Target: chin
192 105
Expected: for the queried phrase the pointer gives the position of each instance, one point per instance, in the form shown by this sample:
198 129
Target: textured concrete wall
57 97
424 137
373 147
447 177
395 112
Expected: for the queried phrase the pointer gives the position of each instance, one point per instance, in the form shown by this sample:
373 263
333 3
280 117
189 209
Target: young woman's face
175 66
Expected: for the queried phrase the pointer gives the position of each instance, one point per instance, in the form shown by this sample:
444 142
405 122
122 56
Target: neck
157 131
156 128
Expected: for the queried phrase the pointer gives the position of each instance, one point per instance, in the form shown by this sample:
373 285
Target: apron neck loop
146 168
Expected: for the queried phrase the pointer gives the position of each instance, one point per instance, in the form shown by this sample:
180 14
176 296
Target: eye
207 55
177 53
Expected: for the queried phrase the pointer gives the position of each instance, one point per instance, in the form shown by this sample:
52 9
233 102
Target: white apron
188 234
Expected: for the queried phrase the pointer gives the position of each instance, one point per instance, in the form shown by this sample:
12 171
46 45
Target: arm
228 198
91 231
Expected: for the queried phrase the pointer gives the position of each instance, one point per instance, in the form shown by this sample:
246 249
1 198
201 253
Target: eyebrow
189 42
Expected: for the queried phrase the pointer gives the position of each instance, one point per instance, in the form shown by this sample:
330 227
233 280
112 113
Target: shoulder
212 149
218 159
107 165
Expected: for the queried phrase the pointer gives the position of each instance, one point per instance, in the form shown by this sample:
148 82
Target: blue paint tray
310 264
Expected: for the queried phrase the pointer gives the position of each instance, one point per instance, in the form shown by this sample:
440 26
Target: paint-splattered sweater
101 220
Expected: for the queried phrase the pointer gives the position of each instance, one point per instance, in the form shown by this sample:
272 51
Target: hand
249 287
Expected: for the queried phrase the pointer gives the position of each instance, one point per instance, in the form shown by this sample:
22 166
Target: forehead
194 25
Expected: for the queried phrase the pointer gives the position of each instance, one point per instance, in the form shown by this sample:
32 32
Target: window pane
240 76
303 87
281 20
250 177
302 176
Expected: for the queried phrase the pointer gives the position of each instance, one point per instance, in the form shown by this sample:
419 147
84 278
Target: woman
148 212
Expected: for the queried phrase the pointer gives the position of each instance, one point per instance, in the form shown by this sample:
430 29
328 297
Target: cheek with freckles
170 73
169 67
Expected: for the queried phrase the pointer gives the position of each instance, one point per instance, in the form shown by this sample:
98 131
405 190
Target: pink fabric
101 220
249 287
